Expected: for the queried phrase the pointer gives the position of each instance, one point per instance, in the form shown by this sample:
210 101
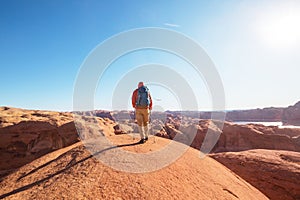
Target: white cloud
171 25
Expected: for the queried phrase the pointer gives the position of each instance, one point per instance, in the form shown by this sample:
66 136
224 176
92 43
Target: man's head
140 84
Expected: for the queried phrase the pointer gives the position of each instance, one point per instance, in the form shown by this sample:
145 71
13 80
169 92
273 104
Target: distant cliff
254 115
291 115
264 115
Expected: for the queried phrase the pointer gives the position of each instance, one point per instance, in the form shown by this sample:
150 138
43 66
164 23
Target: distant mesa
271 114
288 116
291 115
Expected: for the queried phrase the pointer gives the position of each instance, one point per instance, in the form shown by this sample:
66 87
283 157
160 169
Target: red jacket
134 98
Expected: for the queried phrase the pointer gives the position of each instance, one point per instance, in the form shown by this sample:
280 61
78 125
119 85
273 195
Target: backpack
143 96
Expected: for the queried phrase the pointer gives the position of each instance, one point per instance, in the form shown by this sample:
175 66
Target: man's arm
150 105
133 98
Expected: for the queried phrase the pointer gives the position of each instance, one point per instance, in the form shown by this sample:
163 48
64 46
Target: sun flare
281 30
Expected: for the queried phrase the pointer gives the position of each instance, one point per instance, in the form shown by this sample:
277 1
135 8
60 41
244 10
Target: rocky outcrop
116 116
122 129
103 114
238 137
73 173
244 137
97 113
291 115
28 140
255 152
275 173
28 134
124 115
11 116
171 130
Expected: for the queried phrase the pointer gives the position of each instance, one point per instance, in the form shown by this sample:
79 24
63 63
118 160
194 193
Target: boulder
171 130
122 129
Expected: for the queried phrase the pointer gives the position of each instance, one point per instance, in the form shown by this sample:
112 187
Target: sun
281 30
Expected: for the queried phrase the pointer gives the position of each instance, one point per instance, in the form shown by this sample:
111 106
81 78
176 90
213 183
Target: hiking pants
142 116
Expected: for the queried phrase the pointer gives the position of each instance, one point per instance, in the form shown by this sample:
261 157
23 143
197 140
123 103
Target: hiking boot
146 138
142 141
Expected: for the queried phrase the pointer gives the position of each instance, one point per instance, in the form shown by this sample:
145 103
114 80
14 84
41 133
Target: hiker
142 102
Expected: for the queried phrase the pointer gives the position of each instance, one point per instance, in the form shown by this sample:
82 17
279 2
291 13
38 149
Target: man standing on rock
142 102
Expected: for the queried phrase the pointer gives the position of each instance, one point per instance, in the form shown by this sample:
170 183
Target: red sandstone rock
72 173
275 173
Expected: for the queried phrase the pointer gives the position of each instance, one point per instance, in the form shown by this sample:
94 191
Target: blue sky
254 45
